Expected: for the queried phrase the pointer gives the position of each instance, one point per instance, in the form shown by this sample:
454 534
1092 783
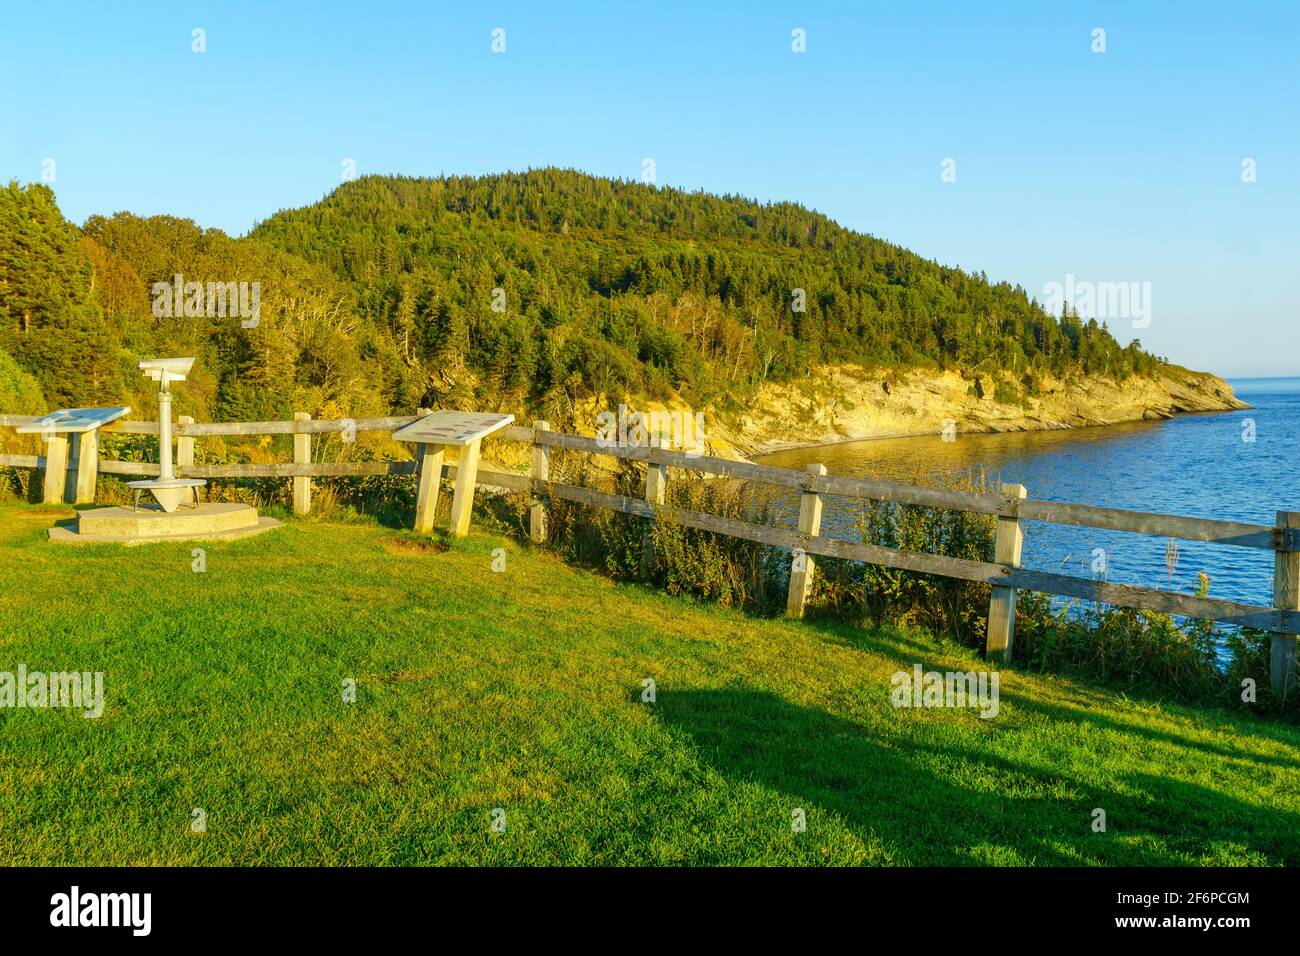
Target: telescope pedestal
170 493
213 521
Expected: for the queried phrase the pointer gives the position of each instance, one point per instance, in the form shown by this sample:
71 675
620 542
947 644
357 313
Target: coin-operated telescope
171 492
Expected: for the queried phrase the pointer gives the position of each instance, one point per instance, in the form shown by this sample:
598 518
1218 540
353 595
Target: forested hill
527 292
611 284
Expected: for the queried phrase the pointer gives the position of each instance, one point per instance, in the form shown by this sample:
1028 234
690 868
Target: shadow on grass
910 647
1241 726
412 543
501 512
884 638
945 798
394 518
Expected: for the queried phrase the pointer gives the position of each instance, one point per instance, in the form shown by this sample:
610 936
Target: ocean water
1242 465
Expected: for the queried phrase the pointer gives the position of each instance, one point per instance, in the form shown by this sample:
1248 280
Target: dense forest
525 292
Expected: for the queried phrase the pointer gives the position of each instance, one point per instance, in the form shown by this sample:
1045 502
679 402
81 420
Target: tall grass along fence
70 475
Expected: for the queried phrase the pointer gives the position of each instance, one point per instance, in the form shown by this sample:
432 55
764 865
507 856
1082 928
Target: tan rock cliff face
840 403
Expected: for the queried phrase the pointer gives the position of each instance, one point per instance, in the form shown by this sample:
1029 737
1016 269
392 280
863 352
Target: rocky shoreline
851 403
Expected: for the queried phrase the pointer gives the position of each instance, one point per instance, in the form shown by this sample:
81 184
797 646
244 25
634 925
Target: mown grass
522 691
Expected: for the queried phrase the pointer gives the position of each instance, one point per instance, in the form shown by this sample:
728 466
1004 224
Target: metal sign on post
434 432
82 454
452 428
73 420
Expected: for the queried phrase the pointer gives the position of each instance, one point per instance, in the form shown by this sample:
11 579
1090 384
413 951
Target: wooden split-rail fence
70 475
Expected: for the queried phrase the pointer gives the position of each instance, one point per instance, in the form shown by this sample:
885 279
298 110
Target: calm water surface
1198 465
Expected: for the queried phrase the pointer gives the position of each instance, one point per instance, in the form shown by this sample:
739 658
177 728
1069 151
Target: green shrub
1135 651
682 560
943 606
1005 393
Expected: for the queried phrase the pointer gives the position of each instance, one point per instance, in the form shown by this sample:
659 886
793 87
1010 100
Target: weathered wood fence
72 478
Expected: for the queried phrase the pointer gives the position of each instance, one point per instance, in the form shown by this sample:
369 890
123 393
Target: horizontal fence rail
1112 519
1010 508
981 572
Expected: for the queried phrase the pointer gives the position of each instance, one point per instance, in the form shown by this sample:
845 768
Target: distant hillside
614 285
543 293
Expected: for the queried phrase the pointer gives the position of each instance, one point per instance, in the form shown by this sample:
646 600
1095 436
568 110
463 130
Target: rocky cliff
841 403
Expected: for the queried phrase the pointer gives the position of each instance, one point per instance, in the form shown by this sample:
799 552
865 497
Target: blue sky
1122 166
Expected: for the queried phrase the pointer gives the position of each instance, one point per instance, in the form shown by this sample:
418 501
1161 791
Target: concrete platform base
216 521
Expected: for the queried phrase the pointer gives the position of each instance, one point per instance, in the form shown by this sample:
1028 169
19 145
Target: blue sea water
1241 465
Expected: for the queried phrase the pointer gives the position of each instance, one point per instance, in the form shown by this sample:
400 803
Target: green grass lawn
522 691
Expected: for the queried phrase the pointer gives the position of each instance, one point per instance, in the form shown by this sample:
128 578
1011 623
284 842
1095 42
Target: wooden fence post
56 467
301 456
1002 605
87 458
541 471
656 488
428 466
1286 597
74 465
801 565
184 445
462 500
419 447
185 452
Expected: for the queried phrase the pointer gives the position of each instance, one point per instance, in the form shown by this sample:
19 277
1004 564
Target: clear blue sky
1115 166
